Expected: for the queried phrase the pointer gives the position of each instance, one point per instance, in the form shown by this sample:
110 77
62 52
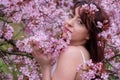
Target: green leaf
15 72
3 67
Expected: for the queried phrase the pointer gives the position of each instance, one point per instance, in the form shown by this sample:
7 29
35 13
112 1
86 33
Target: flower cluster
91 70
89 9
42 24
112 37
7 32
40 40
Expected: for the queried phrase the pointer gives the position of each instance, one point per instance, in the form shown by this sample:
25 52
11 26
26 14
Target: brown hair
96 52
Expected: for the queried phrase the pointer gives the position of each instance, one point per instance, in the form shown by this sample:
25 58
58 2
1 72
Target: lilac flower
104 76
10 48
1 33
99 24
8 32
91 8
20 77
10 77
89 75
93 70
43 22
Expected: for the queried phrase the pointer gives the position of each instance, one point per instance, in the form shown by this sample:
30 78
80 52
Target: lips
66 30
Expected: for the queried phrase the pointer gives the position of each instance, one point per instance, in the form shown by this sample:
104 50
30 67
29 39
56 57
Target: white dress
53 68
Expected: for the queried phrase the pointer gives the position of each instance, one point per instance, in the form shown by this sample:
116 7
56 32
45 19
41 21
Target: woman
83 26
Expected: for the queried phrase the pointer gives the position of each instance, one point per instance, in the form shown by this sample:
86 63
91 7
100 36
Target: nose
69 23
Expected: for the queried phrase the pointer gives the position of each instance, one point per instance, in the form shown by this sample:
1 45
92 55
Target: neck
77 43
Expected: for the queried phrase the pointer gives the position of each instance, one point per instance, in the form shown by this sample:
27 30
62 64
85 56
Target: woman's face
75 26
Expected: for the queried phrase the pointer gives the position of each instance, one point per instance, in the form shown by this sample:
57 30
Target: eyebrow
78 17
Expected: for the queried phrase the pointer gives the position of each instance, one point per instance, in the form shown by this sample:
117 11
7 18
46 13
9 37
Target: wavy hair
96 52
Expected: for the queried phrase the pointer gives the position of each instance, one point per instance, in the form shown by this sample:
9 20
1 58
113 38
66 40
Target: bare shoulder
68 62
75 52
70 51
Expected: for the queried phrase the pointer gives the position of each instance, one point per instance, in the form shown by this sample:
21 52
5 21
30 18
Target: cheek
80 33
80 30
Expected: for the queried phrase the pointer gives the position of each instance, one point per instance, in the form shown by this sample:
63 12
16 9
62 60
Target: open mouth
65 29
66 34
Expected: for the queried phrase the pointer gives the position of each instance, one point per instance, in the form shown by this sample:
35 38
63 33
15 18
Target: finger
35 46
49 56
37 51
37 54
34 54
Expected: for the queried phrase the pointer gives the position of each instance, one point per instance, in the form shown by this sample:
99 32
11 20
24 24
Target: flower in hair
90 8
103 25
99 24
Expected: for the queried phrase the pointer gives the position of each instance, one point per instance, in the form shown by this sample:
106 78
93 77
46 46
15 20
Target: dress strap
83 58
53 68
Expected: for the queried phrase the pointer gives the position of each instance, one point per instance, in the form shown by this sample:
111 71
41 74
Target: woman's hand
44 60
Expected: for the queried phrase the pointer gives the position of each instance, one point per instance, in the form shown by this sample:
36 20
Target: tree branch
17 53
5 20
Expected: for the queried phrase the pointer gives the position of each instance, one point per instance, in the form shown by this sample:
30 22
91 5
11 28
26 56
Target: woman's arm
46 74
67 64
45 62
66 67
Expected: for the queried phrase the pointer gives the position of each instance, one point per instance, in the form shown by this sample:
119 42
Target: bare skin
71 57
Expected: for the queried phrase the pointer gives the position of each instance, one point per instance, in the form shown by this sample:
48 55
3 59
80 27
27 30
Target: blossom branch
16 53
1 19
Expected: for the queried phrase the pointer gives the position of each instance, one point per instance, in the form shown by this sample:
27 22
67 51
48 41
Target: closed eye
79 21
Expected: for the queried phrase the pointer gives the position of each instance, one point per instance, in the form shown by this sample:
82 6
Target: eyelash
80 22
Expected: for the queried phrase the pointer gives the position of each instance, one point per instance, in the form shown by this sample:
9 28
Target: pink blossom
109 53
10 77
1 33
89 75
8 32
91 8
44 22
10 48
20 77
104 76
99 24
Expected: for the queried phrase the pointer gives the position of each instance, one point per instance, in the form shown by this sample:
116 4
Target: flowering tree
112 36
39 24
